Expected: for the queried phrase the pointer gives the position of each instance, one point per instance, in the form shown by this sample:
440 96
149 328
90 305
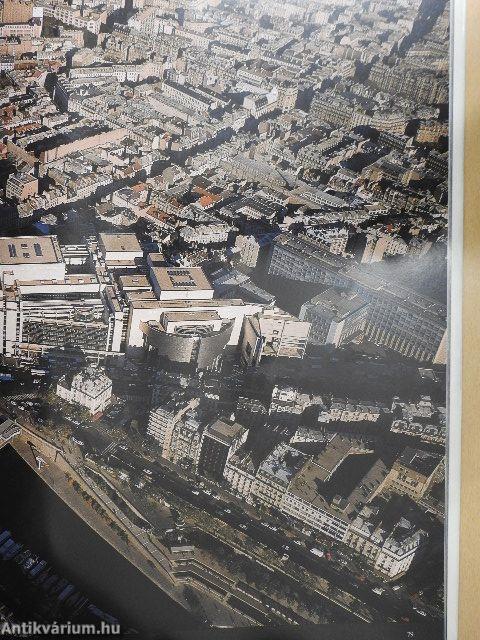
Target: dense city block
223 286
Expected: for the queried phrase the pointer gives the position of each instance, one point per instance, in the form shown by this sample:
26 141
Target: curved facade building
193 341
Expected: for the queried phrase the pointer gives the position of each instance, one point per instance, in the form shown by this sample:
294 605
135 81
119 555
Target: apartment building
90 20
345 410
239 472
387 534
413 473
169 407
204 234
187 97
330 488
421 87
219 442
335 240
21 186
274 475
186 439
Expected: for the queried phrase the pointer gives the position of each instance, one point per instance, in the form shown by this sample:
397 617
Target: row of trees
96 506
293 592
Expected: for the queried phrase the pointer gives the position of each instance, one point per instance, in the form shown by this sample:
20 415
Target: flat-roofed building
181 283
156 260
143 309
134 283
219 441
273 332
75 254
17 11
72 286
119 246
31 258
64 315
398 318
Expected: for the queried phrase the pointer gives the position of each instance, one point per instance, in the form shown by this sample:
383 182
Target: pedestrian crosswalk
110 448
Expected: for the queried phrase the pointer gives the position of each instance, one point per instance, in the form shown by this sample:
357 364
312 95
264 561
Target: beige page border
469 565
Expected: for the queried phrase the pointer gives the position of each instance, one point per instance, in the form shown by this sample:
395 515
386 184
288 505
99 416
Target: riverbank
58 531
54 476
136 546
78 487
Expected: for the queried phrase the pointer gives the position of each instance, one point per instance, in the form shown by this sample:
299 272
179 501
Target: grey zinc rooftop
340 304
283 463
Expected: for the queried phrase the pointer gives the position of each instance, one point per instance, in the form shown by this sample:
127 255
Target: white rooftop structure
181 283
90 388
119 246
31 258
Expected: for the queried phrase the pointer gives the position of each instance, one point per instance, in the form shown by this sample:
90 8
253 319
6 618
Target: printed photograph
223 318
